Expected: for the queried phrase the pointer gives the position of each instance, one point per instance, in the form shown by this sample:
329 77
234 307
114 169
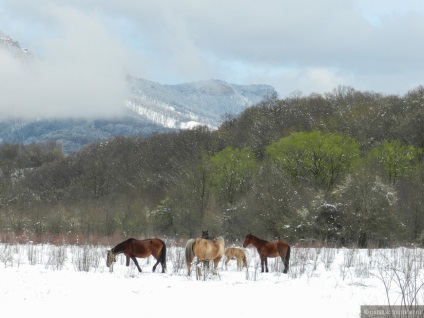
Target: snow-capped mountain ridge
202 102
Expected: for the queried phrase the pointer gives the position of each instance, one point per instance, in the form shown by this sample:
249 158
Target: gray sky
308 46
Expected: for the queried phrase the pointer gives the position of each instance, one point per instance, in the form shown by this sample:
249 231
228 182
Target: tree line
343 167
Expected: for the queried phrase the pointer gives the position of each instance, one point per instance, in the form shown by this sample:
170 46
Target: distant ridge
186 105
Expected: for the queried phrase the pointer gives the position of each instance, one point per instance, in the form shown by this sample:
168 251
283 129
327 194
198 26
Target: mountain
187 105
151 108
6 42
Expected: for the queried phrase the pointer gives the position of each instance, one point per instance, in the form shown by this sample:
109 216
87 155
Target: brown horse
133 248
204 250
237 254
269 249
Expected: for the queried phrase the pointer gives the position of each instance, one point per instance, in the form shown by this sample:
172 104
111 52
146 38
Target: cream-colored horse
237 254
205 250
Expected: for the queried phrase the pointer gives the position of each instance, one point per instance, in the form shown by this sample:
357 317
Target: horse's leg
128 260
283 258
136 263
226 262
245 262
154 266
163 264
198 271
240 260
262 263
206 265
206 271
216 263
285 262
287 258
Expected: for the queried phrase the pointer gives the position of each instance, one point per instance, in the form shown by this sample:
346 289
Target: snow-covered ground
73 281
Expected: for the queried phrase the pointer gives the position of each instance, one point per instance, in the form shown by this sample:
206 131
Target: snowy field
73 281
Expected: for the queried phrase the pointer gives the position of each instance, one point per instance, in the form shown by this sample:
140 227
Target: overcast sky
308 46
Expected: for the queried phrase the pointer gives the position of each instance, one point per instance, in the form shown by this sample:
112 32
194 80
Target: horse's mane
263 241
259 239
121 246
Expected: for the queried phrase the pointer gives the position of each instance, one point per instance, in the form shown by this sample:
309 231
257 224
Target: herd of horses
204 249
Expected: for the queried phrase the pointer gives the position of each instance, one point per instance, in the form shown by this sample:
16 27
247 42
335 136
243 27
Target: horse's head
247 242
205 234
110 258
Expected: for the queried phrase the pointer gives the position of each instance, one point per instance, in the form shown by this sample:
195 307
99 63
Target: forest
345 167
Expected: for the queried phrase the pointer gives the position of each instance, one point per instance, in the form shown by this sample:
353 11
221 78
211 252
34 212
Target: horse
133 248
205 234
237 254
204 250
269 249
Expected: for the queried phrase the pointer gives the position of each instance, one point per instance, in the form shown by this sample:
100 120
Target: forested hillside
345 167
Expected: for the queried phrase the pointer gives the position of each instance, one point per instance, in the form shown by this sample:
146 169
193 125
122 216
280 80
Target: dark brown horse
269 249
205 234
133 248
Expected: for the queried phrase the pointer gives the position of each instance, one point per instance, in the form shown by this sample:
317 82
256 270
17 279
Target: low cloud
80 72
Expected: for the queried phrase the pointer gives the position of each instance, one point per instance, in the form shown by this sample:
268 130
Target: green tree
232 170
321 159
395 158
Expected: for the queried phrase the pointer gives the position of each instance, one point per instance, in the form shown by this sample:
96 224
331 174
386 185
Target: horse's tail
162 256
189 253
288 255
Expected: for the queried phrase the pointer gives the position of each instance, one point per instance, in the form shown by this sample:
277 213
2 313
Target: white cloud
80 74
304 45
